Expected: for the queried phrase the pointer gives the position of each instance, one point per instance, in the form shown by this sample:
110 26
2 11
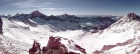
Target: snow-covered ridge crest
130 20
121 37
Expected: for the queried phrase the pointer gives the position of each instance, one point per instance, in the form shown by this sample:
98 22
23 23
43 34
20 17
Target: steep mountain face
122 37
11 46
127 35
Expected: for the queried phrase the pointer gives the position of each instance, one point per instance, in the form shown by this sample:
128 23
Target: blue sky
74 7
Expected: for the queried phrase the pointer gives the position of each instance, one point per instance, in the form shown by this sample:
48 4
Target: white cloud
48 8
30 3
48 3
51 8
6 0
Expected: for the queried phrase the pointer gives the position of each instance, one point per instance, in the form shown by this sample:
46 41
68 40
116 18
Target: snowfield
121 37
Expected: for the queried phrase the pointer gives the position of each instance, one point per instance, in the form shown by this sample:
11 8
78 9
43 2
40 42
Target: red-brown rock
55 46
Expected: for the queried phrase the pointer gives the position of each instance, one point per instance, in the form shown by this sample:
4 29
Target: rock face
133 16
56 46
108 47
35 48
1 23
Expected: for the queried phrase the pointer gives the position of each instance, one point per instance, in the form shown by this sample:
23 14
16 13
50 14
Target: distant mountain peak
131 15
36 13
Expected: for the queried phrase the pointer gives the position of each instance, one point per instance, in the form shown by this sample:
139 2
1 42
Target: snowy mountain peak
133 16
130 20
121 37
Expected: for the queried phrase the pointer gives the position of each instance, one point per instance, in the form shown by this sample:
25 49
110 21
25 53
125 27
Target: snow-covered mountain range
110 34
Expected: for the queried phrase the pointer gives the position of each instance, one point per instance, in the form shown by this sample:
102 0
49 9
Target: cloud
51 8
30 3
6 0
48 8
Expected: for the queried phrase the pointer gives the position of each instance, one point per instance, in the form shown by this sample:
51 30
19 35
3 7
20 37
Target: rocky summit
133 16
36 14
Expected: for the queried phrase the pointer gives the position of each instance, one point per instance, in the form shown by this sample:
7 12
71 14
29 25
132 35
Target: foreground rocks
56 46
60 45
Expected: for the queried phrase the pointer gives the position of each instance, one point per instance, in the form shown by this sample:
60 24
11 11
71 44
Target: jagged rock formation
57 46
133 16
35 48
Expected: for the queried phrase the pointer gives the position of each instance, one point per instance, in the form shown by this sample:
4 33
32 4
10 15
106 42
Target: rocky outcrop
108 47
35 48
133 16
56 46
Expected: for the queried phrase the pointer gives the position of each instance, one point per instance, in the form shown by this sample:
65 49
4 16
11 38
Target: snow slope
121 37
11 46
22 31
